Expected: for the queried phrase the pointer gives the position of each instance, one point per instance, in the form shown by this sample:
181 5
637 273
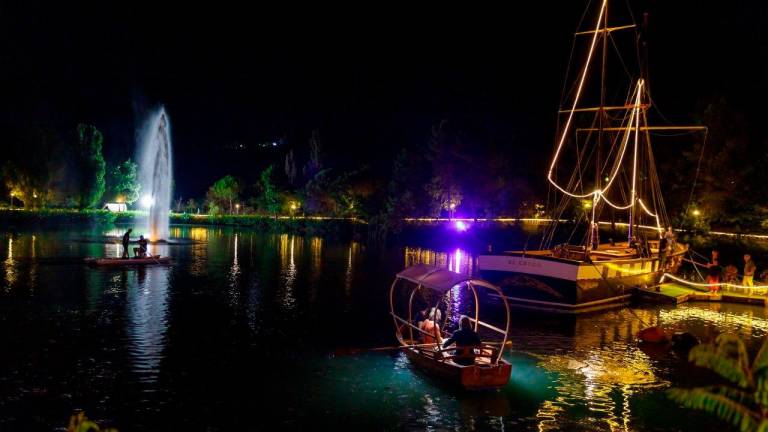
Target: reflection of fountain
155 173
147 306
234 276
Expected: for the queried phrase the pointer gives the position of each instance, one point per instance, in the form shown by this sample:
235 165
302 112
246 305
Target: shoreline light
460 226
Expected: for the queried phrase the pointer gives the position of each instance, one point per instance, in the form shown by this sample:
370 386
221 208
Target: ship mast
630 128
593 238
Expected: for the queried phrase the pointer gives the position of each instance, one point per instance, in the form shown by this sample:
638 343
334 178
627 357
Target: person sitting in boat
431 327
466 341
141 251
421 316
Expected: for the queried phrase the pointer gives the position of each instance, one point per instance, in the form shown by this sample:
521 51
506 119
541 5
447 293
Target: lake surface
251 331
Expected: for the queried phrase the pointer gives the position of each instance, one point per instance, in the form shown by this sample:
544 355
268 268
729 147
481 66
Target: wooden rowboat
119 262
483 375
488 370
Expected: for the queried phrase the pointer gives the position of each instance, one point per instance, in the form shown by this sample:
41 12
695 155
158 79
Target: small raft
120 262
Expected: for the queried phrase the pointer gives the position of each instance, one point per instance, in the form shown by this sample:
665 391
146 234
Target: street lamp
294 206
696 212
237 208
452 206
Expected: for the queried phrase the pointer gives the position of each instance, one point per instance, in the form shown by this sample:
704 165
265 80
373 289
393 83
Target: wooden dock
673 293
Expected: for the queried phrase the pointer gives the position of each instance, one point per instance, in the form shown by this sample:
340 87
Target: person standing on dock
749 272
713 272
663 243
126 242
670 236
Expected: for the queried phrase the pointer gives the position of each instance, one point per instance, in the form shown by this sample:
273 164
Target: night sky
372 78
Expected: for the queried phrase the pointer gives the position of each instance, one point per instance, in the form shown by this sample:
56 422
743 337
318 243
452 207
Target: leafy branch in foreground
743 399
78 422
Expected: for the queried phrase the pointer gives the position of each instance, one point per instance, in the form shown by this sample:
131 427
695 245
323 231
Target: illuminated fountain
155 173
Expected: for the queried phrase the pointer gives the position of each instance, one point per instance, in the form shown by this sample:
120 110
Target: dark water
249 331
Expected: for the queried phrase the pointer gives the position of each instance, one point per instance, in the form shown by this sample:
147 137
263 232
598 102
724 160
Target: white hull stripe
528 265
565 271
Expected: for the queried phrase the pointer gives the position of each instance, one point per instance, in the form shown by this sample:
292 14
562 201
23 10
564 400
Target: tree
447 156
445 195
290 167
723 161
270 196
314 165
91 165
123 182
315 194
191 206
743 399
30 169
223 192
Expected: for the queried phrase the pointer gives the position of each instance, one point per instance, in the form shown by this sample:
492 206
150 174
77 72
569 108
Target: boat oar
340 352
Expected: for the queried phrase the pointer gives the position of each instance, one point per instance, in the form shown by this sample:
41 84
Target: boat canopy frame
441 281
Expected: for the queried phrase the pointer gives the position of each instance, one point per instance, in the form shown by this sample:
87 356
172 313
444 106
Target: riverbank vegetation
710 181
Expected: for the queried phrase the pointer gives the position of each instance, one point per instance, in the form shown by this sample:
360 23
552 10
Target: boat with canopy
488 369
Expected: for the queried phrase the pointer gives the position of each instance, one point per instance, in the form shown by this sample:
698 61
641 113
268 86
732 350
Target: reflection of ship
608 146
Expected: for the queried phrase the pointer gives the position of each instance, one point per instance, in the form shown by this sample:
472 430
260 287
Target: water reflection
10 266
352 252
569 372
113 250
196 233
147 309
459 260
234 274
287 270
315 267
714 318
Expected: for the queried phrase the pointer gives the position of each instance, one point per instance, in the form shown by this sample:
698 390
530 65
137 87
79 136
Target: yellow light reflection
10 266
353 251
198 234
460 261
287 269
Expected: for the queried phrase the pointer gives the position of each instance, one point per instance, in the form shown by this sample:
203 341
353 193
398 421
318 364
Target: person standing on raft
126 242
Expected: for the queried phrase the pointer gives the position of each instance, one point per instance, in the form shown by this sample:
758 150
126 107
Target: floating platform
122 262
672 293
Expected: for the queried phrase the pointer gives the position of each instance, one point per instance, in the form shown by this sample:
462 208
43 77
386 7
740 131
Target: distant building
116 207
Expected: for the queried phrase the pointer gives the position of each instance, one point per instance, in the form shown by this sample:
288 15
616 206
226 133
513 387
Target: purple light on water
457 258
460 226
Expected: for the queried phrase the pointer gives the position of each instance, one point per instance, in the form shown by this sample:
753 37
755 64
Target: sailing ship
603 161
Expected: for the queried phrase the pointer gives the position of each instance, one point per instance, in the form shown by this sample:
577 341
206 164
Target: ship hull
569 285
